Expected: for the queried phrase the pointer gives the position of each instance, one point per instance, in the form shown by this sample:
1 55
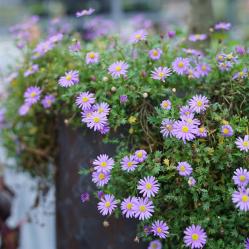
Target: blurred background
33 223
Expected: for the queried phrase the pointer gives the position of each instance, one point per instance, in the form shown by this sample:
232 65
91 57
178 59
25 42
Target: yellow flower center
155 52
169 127
92 55
180 64
159 229
195 236
201 129
129 206
101 176
197 36
138 36
241 74
139 154
107 204
242 178
229 56
165 104
68 77
245 144
148 186
103 164
199 103
161 74
220 57
100 110
182 168
118 68
85 99
33 94
225 131
185 129
96 119
154 246
142 208
245 198
129 164
203 68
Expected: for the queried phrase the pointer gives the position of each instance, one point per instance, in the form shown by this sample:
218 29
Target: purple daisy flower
225 66
24 109
123 99
226 130
96 121
100 194
166 105
241 177
32 95
129 163
183 130
190 119
203 69
88 12
148 186
221 57
71 78
192 51
241 199
140 155
100 178
240 50
241 75
222 26
103 163
186 110
160 229
243 144
180 65
47 101
191 181
31 70
118 69
195 237
143 208
85 197
167 127
147 230
107 204
247 243
138 36
197 37
127 206
201 132
92 58
184 169
198 103
155 244
161 73
75 47
102 108
85 100
155 53
171 34
105 129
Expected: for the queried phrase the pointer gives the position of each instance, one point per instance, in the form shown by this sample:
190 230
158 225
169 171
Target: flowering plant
182 161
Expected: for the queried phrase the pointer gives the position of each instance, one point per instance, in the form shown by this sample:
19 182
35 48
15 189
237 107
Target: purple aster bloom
24 109
100 194
100 178
225 66
75 47
85 100
148 186
161 73
55 38
2 116
231 57
222 26
123 99
160 229
201 132
198 103
155 244
103 163
32 95
240 50
85 12
226 130
105 129
41 49
92 58
184 169
191 181
171 34
197 37
117 69
221 57
186 110
47 101
127 207
147 230
190 119
241 177
192 51
102 108
241 199
203 69
243 144
155 53
143 208
71 78
129 163
195 237
183 130
166 105
138 36
31 70
96 121
247 243
86 114
180 65
241 75
85 197
107 204
140 155
167 127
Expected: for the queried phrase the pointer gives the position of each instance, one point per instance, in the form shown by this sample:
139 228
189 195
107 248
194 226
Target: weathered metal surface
80 226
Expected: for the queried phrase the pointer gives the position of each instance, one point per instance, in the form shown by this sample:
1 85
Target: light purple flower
192 51
160 229
201 131
247 243
241 199
92 58
129 163
180 65
225 66
48 100
95 121
184 169
100 178
138 36
203 69
103 163
243 144
127 206
166 104
85 197
32 95
140 155
118 69
161 73
222 26
190 119
105 129
101 108
186 110
240 50
155 244
241 177
171 34
85 100
88 12
75 47
107 204
241 75
226 130
195 237
191 181
31 70
71 78
155 53
123 99
148 186
167 127
197 37
143 208
24 109
198 103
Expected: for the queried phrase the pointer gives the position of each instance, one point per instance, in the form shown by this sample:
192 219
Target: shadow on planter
80 225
